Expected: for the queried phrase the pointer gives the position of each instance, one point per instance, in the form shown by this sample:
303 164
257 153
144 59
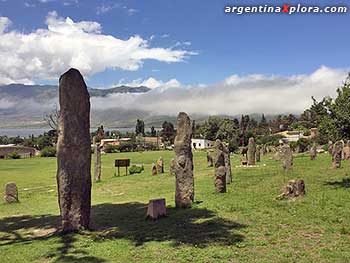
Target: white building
201 144
291 136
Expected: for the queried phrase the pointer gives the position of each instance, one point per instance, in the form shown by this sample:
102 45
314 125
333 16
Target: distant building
113 142
24 152
201 144
291 136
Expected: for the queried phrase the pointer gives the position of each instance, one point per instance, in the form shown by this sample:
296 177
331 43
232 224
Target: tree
140 127
168 132
153 132
52 118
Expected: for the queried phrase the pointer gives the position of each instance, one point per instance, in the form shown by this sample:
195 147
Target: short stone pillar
313 151
257 153
154 169
172 167
160 166
156 208
210 159
286 157
11 193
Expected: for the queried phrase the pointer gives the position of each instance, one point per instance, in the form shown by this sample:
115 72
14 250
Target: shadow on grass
344 183
195 226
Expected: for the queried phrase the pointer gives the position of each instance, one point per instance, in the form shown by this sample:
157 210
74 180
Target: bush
127 147
48 152
135 169
14 155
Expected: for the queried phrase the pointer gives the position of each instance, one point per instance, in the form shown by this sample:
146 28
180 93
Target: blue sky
218 45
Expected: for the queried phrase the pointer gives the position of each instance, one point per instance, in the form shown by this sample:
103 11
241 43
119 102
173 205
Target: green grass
247 224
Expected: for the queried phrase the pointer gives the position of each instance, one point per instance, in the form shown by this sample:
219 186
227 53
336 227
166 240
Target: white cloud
152 83
47 53
235 95
4 24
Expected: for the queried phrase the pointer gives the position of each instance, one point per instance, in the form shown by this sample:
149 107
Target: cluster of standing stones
74 160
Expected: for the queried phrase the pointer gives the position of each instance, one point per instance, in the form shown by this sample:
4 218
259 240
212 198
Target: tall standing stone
74 152
286 157
313 151
11 193
220 168
346 151
251 151
227 164
337 154
97 160
184 194
257 153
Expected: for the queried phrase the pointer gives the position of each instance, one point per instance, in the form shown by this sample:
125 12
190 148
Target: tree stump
294 188
156 208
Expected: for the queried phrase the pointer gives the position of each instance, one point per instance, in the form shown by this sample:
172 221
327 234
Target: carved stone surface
74 152
160 166
184 193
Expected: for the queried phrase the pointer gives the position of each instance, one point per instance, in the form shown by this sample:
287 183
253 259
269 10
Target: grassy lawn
247 224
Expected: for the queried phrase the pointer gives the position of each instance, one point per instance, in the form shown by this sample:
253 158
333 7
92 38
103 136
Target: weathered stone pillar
97 160
337 154
330 148
251 151
160 166
11 193
313 151
346 151
184 194
154 169
220 168
227 164
209 160
172 166
74 152
286 157
257 153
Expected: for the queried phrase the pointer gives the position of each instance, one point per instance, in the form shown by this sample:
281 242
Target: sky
170 44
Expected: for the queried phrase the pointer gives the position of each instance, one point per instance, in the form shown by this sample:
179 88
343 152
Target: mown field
247 224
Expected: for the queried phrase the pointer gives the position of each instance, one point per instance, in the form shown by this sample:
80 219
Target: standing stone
264 149
209 160
11 193
330 148
313 151
337 154
346 151
257 153
97 160
286 157
74 152
172 166
154 169
184 194
251 151
227 164
160 166
220 168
